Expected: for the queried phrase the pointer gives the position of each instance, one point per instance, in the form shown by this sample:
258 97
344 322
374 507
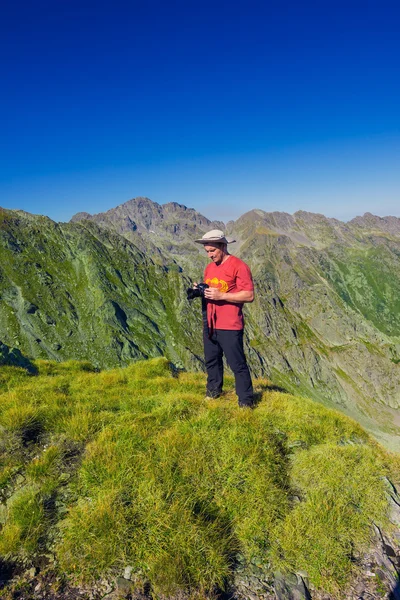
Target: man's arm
235 297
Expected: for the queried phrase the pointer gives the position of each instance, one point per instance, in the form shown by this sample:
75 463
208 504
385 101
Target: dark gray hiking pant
229 343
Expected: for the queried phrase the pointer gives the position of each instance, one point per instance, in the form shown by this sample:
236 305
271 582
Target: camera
197 292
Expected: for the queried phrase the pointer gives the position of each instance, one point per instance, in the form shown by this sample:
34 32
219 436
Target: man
230 286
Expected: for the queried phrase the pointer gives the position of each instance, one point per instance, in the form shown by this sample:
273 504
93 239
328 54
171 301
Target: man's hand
213 294
235 297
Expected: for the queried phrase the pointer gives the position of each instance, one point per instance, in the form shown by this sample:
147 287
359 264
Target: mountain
327 313
164 230
82 291
111 288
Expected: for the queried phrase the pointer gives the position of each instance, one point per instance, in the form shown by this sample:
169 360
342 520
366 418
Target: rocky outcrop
13 357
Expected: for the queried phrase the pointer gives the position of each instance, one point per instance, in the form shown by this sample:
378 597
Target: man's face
215 253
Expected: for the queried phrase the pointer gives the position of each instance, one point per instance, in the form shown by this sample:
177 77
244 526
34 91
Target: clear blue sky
222 106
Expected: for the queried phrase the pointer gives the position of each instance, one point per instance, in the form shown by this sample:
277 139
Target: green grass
133 467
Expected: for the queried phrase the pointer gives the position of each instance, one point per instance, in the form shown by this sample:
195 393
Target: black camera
197 292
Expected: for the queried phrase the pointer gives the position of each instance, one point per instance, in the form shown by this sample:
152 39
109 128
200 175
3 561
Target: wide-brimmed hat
215 236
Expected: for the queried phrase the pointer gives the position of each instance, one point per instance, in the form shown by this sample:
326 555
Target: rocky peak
155 228
80 216
149 215
372 223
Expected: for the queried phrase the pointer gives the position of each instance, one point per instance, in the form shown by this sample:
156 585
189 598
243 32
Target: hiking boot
212 395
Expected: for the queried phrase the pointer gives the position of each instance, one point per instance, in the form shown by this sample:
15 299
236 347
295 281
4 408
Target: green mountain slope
80 291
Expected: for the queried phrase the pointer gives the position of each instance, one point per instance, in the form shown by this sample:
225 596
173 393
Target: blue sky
221 106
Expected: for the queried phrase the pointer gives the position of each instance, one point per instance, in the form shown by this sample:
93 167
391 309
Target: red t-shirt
233 275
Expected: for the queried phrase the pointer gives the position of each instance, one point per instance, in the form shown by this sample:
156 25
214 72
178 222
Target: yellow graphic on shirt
220 284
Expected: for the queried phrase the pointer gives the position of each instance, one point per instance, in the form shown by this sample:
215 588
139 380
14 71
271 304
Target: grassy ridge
131 467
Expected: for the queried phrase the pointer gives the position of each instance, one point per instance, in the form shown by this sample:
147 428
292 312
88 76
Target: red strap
213 319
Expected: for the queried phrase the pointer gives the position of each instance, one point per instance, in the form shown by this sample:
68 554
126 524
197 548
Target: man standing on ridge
230 286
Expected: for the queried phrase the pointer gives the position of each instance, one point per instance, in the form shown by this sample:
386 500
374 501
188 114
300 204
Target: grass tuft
337 508
25 524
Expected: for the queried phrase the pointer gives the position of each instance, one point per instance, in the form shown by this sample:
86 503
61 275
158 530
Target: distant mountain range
110 288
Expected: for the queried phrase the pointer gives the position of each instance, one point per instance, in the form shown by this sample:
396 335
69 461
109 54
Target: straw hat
215 236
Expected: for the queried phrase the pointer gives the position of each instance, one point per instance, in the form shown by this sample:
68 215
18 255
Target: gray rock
123 585
290 587
128 572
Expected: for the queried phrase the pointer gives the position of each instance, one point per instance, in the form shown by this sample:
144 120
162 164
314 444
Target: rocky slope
111 288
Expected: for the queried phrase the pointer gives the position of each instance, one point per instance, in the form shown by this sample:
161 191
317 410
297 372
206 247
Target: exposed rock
290 587
14 357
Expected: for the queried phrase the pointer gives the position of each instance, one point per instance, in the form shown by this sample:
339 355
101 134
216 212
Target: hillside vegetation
77 291
130 472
